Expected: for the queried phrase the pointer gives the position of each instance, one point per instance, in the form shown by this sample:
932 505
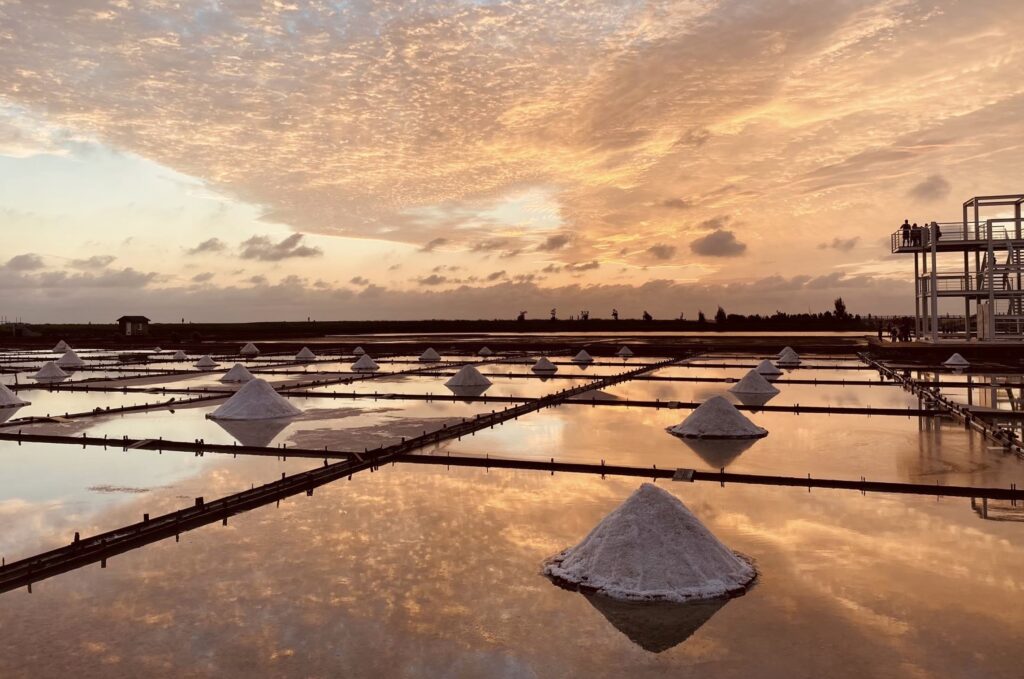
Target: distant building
133 325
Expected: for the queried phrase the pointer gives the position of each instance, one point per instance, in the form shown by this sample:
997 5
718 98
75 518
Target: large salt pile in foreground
753 383
257 400
543 365
206 362
768 369
485 352
430 356
305 355
179 355
50 372
61 347
70 360
8 399
239 373
956 361
716 418
651 548
468 376
365 364
583 357
625 352
249 350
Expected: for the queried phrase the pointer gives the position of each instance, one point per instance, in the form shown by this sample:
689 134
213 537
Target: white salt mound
766 367
625 352
70 360
179 355
305 355
358 351
716 418
249 350
543 365
651 548
788 357
61 347
956 361
50 372
753 383
257 400
785 350
239 373
365 364
485 352
8 399
206 362
430 356
468 376
596 395
583 357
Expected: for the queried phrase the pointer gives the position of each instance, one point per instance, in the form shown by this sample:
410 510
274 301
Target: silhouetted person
880 328
648 317
915 235
554 315
905 232
521 316
938 231
615 314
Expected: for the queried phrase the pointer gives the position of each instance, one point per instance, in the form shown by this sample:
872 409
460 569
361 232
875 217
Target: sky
243 160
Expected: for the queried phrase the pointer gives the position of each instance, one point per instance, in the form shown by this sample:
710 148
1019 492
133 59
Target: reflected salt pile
70 360
485 352
365 364
249 350
50 372
358 351
257 400
596 395
255 433
305 355
625 352
583 357
430 356
655 626
716 418
8 399
718 453
238 373
651 548
61 347
543 365
179 355
206 363
767 369
956 361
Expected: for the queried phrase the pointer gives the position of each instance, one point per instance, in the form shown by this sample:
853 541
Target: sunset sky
242 160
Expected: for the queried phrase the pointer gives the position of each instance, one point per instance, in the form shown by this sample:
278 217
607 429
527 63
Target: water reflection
655 626
749 399
257 433
718 453
469 392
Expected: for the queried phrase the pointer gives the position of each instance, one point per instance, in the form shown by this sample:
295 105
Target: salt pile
430 356
596 395
249 350
788 357
61 347
70 360
753 383
257 400
365 364
305 355
625 352
239 373
768 369
651 548
956 361
8 399
583 357
543 365
716 418
206 362
468 376
358 351
179 355
50 372
485 352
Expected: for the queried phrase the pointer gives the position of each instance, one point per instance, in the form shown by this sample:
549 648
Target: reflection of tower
655 626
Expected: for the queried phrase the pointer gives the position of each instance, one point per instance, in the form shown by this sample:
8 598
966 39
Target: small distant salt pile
50 372
753 383
305 355
716 418
543 365
956 361
430 356
206 363
485 352
61 347
788 357
365 364
257 400
596 395
239 373
583 357
157 349
358 351
179 355
625 352
651 548
70 360
8 399
767 369
468 376
249 350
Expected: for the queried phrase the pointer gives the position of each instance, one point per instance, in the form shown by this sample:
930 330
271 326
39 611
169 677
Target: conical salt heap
595 395
365 364
239 373
70 360
61 347
956 361
179 355
788 357
785 350
753 383
257 400
8 399
305 355
716 418
206 362
768 369
485 352
430 356
651 548
249 350
625 352
583 357
468 376
358 351
543 365
50 372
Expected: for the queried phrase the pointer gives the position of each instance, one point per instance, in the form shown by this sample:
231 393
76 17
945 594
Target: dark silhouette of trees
720 316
